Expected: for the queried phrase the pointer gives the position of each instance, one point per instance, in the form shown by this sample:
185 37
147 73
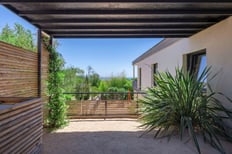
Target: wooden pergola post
39 50
51 40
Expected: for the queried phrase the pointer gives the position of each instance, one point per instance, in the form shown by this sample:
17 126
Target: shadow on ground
103 141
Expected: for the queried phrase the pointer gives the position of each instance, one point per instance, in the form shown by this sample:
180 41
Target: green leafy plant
18 36
57 107
178 104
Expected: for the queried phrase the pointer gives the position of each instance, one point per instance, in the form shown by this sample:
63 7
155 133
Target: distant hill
107 78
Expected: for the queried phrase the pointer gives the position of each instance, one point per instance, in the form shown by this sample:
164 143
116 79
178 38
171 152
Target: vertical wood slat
21 127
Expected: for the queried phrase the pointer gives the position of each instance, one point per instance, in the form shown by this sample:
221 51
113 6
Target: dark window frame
140 78
154 71
193 61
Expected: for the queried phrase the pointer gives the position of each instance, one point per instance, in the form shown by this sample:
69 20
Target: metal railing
103 104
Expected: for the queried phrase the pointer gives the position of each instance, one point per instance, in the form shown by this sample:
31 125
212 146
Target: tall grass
178 103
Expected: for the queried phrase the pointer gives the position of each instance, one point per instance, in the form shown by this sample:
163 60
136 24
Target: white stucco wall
217 40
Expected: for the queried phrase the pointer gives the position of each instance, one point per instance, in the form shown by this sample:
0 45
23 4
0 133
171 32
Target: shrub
177 103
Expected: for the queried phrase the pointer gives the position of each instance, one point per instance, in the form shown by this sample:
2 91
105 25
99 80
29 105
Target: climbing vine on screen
57 107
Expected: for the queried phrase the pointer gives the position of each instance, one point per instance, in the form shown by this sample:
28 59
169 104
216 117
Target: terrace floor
115 136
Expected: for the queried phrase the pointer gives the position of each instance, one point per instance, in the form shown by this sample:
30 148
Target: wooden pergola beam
124 32
129 20
196 12
54 27
112 1
121 35
63 18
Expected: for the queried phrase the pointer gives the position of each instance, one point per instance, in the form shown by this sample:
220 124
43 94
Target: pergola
121 18
101 19
118 18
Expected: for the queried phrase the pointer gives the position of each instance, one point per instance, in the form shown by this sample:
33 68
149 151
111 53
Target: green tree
94 80
7 35
76 81
119 82
18 36
103 86
116 84
72 78
84 87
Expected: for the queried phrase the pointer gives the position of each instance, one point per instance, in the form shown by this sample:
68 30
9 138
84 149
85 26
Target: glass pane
203 64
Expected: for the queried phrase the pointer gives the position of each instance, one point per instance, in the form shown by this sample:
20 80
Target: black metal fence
105 95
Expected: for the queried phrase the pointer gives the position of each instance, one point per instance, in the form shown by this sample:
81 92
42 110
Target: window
140 78
196 62
154 71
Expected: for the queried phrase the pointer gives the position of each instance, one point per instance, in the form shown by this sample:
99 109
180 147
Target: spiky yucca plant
178 103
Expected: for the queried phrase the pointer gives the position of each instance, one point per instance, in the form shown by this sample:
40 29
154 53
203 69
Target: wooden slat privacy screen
102 109
21 126
21 123
18 72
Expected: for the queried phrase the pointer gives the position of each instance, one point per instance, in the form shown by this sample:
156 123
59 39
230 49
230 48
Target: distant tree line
77 80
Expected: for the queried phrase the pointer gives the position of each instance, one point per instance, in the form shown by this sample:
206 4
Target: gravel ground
115 136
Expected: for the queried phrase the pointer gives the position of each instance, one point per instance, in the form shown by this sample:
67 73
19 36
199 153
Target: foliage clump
57 107
18 36
116 84
178 104
76 80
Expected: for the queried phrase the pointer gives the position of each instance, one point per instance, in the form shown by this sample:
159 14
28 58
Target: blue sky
107 56
10 18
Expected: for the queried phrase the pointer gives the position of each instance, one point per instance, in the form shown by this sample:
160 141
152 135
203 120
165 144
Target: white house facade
213 44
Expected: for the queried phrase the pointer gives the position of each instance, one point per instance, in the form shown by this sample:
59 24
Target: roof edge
159 46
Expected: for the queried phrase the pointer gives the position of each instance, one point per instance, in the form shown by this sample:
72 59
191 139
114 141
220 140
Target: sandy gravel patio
115 136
